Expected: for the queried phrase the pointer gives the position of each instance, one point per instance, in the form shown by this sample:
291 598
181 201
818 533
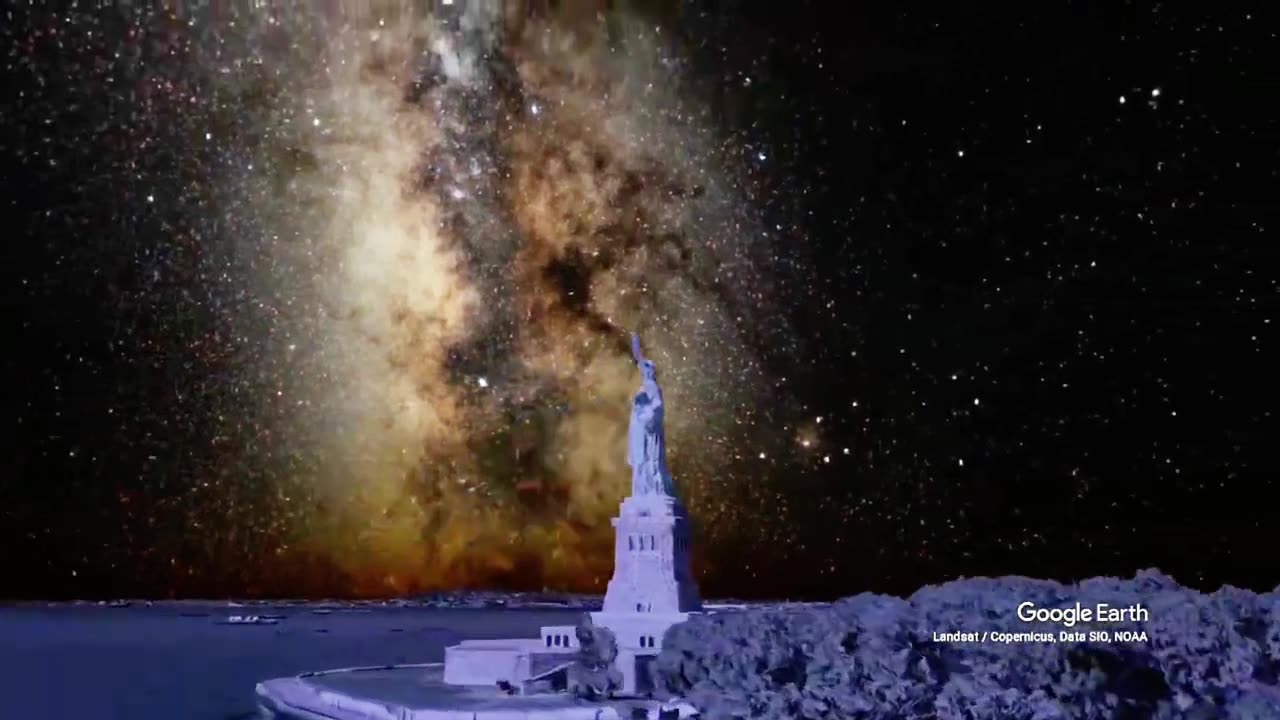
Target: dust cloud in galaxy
465 224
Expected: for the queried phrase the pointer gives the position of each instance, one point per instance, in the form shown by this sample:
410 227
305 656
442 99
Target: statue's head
648 370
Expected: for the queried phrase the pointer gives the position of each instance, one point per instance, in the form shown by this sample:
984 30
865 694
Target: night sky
305 302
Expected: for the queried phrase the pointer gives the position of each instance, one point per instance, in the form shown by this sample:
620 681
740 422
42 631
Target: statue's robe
646 444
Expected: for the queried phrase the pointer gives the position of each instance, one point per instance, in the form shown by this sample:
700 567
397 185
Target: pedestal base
639 637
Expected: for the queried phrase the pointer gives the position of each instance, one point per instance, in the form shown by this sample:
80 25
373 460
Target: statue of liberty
646 439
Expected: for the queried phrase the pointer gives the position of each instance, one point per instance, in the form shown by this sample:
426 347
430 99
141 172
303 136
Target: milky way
333 298
452 230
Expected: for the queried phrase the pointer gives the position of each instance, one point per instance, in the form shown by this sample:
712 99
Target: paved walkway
417 692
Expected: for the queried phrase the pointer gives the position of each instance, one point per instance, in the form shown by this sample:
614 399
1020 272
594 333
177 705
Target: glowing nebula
463 226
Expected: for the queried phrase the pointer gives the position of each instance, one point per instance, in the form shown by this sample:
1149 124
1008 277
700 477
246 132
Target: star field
314 304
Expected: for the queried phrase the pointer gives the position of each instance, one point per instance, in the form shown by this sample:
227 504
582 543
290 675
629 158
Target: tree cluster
871 657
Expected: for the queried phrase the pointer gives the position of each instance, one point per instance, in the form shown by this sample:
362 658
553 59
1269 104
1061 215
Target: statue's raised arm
635 349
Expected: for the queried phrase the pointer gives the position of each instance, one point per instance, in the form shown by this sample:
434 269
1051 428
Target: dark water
175 662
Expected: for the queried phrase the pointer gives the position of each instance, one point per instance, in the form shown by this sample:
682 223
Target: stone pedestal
651 568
